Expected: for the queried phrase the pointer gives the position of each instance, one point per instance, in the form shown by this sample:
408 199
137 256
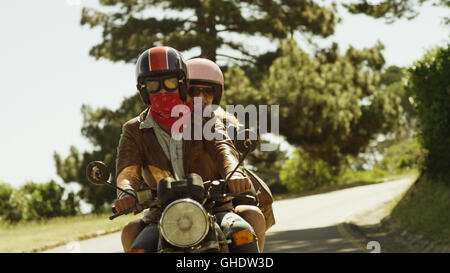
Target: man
147 150
205 81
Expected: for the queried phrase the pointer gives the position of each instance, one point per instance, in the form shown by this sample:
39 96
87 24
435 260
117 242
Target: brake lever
137 207
117 214
240 195
230 196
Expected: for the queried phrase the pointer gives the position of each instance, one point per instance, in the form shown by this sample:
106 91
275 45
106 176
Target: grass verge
425 210
38 236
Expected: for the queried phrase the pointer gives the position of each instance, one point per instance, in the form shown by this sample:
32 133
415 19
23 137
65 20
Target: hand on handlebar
125 203
238 183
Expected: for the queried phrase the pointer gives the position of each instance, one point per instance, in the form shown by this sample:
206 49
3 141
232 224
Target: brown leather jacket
139 147
265 198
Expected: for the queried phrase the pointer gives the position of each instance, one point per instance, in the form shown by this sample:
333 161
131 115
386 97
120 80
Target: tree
403 155
102 127
238 89
393 9
36 201
331 105
131 26
303 173
19 207
5 193
392 80
267 165
46 200
391 75
429 87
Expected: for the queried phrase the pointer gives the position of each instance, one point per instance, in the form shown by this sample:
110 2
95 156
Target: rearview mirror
246 140
97 172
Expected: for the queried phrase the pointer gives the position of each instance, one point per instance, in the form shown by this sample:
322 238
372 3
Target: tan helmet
204 71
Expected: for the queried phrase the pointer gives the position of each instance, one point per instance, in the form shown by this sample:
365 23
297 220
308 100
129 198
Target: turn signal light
136 251
242 237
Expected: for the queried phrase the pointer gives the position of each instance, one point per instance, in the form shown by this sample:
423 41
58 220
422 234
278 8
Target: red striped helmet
160 61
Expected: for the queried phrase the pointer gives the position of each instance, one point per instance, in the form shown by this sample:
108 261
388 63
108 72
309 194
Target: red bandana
161 109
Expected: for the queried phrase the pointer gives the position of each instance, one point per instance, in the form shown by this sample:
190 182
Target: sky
46 75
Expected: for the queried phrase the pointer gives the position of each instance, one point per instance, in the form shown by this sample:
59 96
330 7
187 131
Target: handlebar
137 207
221 191
216 190
117 214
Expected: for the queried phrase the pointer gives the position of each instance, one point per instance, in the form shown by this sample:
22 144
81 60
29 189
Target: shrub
302 173
429 87
36 201
404 155
5 193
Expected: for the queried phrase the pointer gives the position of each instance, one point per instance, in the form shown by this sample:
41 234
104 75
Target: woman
205 80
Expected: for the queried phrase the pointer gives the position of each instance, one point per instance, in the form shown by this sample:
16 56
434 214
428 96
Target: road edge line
355 242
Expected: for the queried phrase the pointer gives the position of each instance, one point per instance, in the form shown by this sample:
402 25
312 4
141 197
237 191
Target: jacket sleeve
222 150
129 159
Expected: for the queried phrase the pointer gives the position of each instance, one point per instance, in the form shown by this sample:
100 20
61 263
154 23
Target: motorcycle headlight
184 223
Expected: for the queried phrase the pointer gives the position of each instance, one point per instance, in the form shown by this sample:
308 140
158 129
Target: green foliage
429 87
302 173
267 165
18 207
130 27
408 120
404 155
393 9
36 201
5 192
239 89
331 105
392 80
260 68
351 177
392 74
102 127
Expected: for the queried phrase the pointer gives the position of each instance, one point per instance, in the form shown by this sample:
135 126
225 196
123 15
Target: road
307 224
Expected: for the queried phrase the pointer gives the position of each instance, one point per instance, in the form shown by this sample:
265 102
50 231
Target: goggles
153 86
195 91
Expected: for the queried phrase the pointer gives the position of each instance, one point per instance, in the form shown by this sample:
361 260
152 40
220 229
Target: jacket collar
146 120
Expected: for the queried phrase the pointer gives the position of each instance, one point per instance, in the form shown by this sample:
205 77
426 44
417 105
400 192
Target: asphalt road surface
303 225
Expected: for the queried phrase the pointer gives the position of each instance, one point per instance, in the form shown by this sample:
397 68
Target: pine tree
392 10
135 25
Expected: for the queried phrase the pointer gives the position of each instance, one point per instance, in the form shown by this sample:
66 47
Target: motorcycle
187 223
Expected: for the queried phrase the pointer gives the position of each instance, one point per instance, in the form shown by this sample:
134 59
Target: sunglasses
153 86
195 91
